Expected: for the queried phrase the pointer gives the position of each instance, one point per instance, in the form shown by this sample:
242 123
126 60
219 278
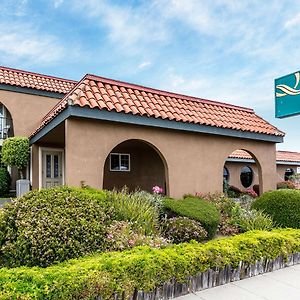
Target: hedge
197 209
142 268
282 205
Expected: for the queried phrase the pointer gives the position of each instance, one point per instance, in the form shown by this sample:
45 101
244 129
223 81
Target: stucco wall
194 161
26 110
235 168
146 168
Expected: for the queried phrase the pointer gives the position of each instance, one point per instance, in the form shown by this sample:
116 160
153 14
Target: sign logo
287 90
287 95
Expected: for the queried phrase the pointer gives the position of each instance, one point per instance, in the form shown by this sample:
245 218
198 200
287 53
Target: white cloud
144 64
20 42
57 3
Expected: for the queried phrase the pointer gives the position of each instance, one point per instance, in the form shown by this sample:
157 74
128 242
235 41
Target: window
246 176
288 173
225 174
119 162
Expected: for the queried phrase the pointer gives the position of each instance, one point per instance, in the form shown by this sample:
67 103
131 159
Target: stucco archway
244 171
135 164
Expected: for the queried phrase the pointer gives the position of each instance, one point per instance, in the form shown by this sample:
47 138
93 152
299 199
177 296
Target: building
241 169
107 133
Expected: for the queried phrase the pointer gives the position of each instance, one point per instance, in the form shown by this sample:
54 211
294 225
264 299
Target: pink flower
157 190
131 242
110 236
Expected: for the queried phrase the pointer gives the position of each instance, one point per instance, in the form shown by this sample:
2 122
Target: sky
225 50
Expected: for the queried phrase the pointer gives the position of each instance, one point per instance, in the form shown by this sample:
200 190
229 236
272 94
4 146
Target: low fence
213 278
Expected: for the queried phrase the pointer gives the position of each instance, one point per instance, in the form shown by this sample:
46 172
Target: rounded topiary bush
182 229
282 205
197 209
51 225
5 182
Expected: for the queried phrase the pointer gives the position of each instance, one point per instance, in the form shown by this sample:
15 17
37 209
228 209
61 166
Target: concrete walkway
283 284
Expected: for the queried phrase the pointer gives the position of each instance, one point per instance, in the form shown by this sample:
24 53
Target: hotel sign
287 95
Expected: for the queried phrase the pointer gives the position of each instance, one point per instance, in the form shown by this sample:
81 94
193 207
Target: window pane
56 166
124 162
225 174
114 162
246 176
48 166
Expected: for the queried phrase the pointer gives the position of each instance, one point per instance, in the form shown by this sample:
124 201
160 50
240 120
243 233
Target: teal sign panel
287 95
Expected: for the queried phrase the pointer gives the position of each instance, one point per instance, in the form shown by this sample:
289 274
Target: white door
52 168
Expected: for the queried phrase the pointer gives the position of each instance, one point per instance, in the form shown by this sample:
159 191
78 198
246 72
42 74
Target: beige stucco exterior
26 110
234 169
193 161
190 162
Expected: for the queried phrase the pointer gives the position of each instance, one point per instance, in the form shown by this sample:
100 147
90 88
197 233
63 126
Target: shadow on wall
135 164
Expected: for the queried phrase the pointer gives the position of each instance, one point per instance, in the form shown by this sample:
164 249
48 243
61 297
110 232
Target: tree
15 153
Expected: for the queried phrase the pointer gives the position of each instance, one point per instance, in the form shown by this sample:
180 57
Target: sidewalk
277 285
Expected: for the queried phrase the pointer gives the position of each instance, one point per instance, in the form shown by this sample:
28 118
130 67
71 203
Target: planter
22 187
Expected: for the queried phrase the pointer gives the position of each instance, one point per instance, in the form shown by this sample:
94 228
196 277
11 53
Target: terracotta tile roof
112 95
287 156
35 81
241 154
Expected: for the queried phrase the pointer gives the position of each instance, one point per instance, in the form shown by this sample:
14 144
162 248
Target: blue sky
225 50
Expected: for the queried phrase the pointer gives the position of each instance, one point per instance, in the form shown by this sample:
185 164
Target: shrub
5 182
121 236
222 203
250 192
135 208
226 227
286 185
182 229
233 192
52 225
248 220
256 189
282 205
198 210
15 152
143 268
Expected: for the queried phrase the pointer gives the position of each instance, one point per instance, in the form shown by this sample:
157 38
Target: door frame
45 149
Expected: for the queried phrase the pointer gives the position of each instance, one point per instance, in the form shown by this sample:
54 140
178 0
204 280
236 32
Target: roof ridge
37 74
287 151
165 93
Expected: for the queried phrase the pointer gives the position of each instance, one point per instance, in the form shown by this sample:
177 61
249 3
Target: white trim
30 166
119 154
62 151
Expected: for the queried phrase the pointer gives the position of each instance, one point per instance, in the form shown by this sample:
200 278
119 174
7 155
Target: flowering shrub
182 229
197 209
157 190
251 193
286 185
227 228
51 225
121 236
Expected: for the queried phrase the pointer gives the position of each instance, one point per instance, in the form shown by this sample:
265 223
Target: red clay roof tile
112 95
286 156
35 81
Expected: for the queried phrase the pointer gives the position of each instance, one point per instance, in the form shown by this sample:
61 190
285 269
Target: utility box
22 187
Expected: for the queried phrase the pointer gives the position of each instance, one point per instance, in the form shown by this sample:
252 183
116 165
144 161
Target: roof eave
104 115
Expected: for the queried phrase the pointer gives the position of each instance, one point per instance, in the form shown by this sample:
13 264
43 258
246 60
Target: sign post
287 95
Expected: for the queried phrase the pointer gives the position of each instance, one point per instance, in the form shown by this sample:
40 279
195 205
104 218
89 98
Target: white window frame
120 155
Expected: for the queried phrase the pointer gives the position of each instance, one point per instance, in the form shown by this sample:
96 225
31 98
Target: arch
245 169
136 163
6 123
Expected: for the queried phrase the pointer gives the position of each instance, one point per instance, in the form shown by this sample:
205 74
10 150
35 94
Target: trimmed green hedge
142 268
282 205
197 209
